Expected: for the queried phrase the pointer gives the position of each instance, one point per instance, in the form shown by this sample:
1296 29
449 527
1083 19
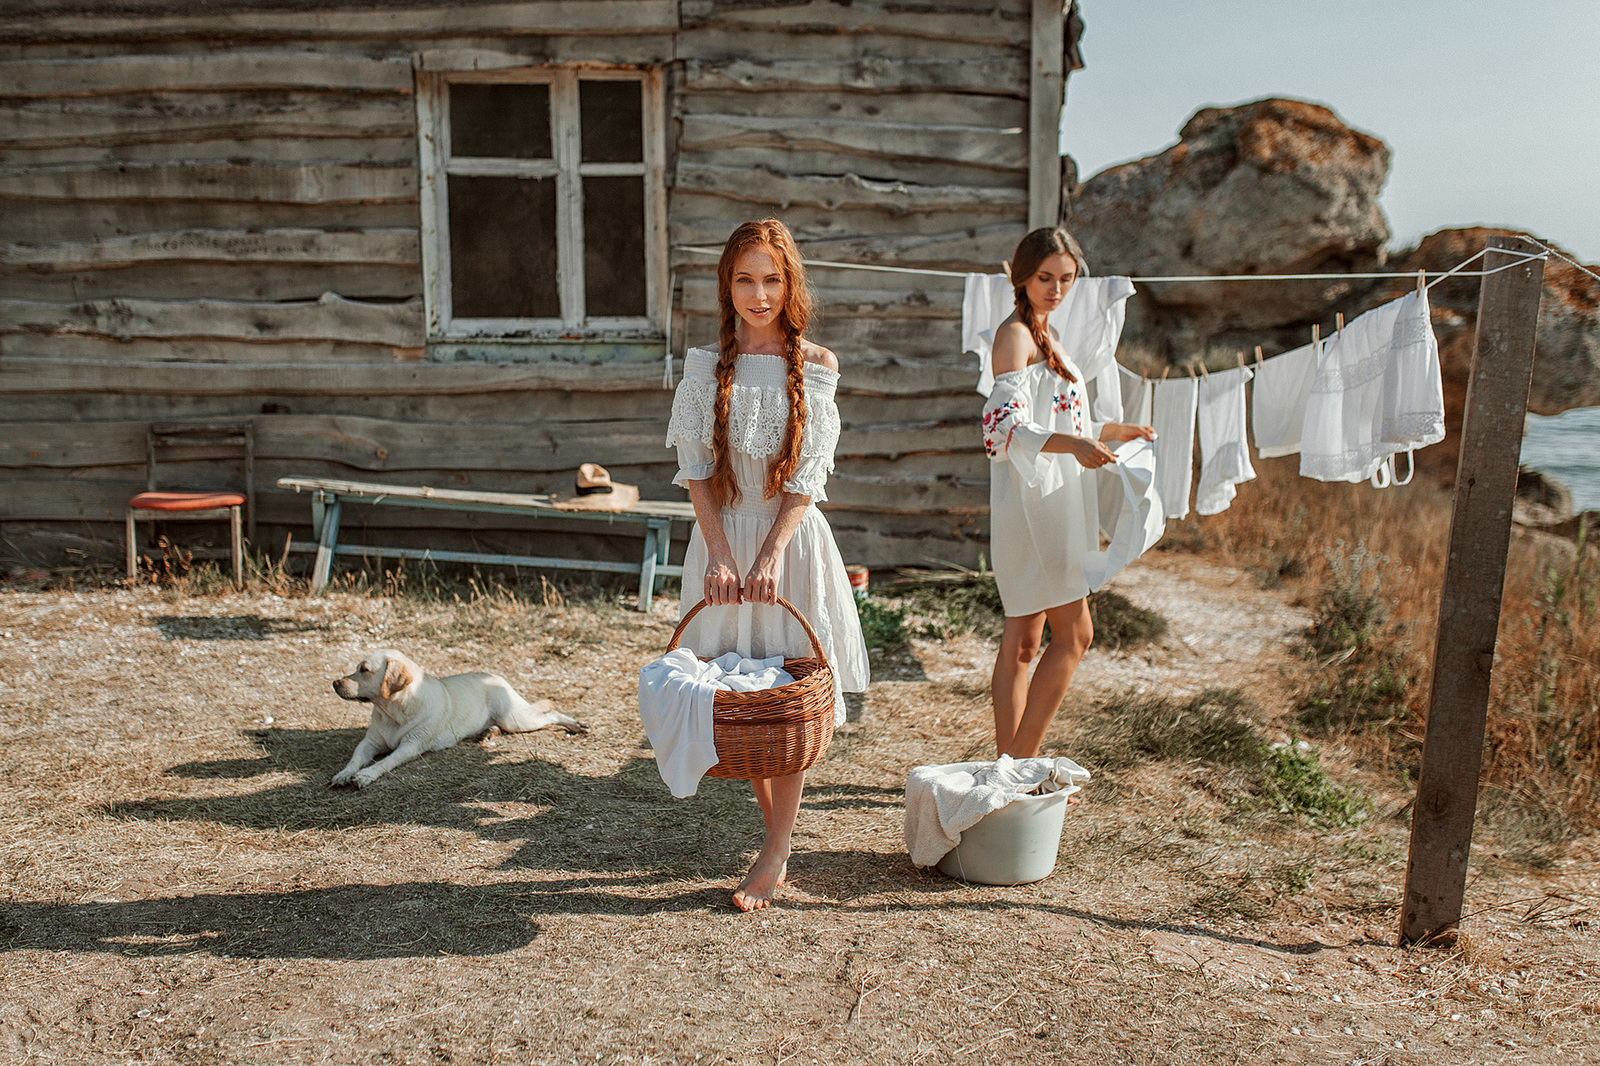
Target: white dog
413 713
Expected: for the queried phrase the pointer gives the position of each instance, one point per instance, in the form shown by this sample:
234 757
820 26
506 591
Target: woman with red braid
1043 509
755 426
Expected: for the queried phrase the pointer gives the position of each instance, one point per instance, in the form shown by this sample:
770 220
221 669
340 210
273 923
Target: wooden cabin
455 244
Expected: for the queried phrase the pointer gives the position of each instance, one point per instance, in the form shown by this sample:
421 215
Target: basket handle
785 604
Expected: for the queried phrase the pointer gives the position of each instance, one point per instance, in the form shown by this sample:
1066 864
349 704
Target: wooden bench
328 497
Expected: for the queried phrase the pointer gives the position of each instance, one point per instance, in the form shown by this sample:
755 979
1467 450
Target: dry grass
182 886
1380 555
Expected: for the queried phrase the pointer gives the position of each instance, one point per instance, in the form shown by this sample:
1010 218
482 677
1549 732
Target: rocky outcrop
1275 186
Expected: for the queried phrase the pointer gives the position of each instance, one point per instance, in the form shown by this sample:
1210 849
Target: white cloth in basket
676 697
942 802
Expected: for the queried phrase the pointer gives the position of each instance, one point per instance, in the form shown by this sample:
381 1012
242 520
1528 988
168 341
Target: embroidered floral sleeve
1010 435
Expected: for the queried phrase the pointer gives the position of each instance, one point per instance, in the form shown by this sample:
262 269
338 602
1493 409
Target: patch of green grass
1350 613
1368 672
1216 727
1294 782
883 624
1120 623
968 603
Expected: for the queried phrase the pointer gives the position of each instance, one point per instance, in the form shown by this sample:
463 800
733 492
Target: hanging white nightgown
1043 509
811 575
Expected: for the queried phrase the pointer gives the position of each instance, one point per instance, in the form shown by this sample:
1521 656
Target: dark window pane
613 246
503 248
500 121
612 116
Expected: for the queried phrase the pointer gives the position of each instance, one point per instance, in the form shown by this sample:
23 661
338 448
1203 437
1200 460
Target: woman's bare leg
1071 632
1019 643
780 806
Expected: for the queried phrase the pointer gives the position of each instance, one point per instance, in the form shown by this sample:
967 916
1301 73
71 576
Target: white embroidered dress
811 575
1044 513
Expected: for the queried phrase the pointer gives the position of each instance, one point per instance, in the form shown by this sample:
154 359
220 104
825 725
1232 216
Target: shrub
883 625
1119 623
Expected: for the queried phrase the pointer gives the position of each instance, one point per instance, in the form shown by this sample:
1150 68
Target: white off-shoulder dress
1044 512
811 575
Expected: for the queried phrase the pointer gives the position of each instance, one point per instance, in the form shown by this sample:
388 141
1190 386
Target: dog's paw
363 778
573 726
341 778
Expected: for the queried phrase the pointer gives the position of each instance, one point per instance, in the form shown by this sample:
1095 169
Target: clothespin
1316 335
1241 356
1338 321
1165 371
1258 356
1005 265
1422 283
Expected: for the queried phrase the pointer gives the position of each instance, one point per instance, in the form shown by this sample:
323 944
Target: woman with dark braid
755 426
1043 510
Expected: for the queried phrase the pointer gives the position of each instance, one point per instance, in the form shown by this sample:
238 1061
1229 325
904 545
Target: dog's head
382 675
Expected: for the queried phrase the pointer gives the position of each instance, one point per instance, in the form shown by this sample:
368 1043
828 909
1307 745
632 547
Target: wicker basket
777 731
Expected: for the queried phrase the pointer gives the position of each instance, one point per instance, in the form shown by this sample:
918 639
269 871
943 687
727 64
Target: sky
1491 110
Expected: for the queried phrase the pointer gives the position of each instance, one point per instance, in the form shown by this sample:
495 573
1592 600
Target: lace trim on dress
757 419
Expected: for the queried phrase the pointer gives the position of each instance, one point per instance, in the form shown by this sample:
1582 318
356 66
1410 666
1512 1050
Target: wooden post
1469 603
1046 92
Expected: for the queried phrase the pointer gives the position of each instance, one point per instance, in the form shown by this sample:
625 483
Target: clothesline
1455 271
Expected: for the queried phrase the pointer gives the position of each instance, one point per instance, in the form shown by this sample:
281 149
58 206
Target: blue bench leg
647 569
329 541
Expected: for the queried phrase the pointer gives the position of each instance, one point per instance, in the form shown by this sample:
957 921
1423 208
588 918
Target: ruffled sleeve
821 435
690 426
1011 435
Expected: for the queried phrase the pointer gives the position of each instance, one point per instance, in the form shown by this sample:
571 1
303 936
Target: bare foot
761 883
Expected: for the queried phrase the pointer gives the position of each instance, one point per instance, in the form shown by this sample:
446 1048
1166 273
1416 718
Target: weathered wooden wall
215 213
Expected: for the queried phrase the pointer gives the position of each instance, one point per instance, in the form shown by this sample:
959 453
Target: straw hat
595 491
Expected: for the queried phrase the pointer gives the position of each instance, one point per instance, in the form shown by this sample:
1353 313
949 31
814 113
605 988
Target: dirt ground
181 884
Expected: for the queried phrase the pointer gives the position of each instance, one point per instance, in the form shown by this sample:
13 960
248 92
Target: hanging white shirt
1172 415
1278 400
1088 323
1224 450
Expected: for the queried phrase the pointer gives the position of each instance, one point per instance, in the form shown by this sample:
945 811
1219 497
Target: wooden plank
209 70
837 163
887 377
960 402
344 23
388 246
1469 603
926 106
46 222
78 347
387 445
984 23
350 150
990 74
700 297
869 345
295 379
764 185
323 183
181 117
974 145
510 53
712 43
1046 89
979 248
329 318
214 281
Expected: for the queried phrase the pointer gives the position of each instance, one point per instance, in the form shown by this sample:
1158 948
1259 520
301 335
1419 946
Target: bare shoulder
1013 347
816 353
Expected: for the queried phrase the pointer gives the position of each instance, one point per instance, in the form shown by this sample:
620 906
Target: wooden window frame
568 169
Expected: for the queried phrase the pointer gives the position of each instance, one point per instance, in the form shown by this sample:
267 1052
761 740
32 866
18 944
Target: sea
1567 447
